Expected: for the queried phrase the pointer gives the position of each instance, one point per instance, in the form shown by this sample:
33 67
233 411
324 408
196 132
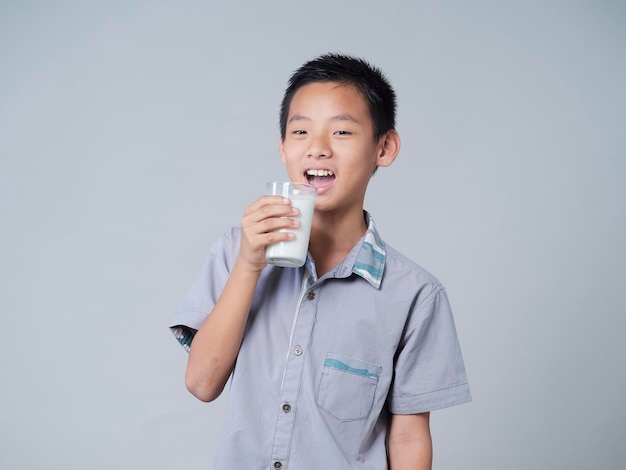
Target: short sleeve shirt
325 361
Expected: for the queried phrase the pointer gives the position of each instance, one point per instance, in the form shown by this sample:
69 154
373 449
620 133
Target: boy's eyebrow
338 117
345 117
298 117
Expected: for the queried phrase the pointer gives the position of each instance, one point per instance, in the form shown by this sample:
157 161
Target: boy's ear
281 150
389 147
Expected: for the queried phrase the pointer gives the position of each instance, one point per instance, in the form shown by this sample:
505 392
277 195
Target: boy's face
329 143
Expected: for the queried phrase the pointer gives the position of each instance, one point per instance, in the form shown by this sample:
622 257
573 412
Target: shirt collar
370 262
367 258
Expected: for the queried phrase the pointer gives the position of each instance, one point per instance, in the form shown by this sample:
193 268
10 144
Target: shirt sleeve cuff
431 401
185 325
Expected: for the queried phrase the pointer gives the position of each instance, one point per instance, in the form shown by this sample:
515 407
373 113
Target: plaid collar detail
370 262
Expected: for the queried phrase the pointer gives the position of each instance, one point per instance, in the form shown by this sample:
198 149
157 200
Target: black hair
347 70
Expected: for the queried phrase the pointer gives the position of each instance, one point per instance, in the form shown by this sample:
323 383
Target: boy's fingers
256 232
266 201
276 223
275 237
259 214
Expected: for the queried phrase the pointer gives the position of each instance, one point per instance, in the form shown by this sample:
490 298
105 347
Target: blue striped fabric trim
370 263
336 364
310 266
184 336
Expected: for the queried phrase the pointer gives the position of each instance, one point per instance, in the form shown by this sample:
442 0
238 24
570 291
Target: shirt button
286 407
298 350
311 296
278 465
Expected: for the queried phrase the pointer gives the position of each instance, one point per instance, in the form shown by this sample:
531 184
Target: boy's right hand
259 228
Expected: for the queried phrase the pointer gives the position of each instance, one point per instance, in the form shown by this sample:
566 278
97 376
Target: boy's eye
299 132
343 133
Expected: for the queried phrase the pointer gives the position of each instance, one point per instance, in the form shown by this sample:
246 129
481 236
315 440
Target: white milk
292 253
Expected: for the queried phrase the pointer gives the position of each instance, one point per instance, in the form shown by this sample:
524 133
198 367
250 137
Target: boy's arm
215 346
410 444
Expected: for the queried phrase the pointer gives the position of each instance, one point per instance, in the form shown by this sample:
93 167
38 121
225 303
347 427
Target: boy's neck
332 238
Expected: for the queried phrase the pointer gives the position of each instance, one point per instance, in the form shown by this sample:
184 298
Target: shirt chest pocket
347 387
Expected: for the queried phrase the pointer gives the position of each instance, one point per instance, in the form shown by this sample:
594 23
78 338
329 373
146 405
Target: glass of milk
292 253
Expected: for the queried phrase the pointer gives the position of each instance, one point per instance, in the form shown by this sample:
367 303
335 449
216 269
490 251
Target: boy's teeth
319 173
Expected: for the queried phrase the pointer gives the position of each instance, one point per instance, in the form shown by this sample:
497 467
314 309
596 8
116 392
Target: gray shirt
324 362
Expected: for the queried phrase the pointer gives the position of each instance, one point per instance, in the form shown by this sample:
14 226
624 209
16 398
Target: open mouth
319 178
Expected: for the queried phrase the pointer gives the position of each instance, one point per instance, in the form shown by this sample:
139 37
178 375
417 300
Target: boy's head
347 70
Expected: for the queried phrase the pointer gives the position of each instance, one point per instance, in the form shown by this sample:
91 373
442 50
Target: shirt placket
292 378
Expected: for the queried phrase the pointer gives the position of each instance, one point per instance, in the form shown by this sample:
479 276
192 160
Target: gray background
132 133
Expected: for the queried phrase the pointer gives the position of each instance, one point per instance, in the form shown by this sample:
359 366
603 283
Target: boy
335 365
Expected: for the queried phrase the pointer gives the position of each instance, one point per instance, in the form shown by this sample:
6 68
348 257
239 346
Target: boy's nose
319 148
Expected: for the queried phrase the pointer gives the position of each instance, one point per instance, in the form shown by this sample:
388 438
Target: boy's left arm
410 444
